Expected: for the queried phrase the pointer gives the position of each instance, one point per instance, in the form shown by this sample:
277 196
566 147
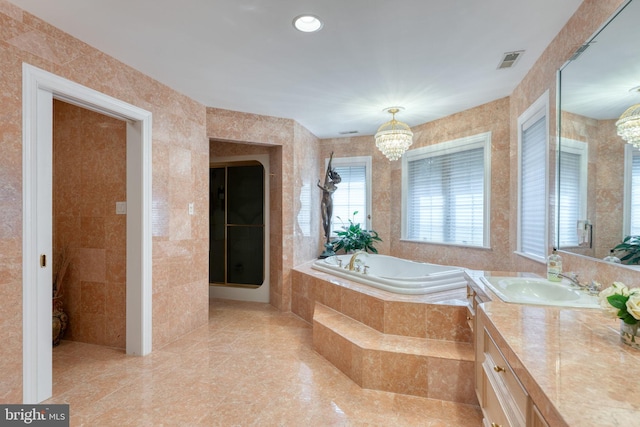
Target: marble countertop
571 361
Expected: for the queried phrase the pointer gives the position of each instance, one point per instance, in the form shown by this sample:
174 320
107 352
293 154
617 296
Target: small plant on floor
355 238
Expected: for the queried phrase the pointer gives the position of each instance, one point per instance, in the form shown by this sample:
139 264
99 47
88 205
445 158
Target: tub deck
411 344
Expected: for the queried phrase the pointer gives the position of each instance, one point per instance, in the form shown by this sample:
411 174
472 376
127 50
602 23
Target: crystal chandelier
629 125
394 137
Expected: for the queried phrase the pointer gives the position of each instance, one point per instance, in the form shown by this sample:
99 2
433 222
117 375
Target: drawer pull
469 317
495 425
498 368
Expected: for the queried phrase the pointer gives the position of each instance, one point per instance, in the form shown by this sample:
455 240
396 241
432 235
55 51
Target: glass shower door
237 243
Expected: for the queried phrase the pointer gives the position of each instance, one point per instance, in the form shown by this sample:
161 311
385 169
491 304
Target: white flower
621 289
633 305
617 288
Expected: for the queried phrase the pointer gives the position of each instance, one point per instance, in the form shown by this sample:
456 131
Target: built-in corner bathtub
393 274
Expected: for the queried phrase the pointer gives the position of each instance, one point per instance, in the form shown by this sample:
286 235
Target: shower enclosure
237 224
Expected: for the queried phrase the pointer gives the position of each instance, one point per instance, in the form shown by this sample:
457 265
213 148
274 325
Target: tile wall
181 132
605 176
291 149
89 177
180 153
387 186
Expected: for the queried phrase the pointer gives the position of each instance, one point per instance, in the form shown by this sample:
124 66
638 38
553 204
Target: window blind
533 188
445 198
351 196
570 205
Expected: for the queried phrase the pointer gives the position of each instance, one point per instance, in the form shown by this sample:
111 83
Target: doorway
238 218
39 89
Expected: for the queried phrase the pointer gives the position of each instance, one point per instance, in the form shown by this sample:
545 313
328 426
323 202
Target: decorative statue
331 178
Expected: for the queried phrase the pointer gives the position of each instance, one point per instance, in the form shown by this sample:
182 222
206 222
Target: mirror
596 167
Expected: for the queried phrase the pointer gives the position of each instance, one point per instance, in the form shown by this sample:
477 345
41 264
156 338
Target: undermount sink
531 290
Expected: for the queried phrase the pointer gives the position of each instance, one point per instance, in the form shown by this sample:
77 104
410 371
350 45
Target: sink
531 290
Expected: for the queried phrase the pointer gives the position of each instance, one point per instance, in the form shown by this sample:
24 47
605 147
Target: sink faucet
573 278
352 261
592 288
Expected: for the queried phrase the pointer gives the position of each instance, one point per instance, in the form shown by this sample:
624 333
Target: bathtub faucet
353 259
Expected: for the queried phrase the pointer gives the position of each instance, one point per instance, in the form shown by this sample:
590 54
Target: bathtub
396 275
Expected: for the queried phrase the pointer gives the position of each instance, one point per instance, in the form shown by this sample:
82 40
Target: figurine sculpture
331 178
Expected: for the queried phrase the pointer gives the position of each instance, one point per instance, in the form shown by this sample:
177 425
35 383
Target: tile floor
250 366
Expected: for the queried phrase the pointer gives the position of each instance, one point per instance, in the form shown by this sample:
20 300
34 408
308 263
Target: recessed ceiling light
307 23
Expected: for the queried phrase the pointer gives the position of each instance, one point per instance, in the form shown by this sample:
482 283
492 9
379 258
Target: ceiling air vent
579 51
509 59
348 132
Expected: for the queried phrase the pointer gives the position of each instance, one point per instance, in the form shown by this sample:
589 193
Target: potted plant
619 301
355 238
629 249
60 318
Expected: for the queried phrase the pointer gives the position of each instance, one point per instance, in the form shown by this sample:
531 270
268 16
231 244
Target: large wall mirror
598 171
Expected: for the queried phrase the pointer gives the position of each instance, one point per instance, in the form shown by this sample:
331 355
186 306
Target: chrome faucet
353 259
592 288
573 278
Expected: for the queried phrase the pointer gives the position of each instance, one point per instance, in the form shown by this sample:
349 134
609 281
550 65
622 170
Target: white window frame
354 161
482 140
581 149
537 110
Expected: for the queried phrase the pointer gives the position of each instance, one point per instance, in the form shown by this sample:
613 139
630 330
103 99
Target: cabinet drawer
494 415
496 365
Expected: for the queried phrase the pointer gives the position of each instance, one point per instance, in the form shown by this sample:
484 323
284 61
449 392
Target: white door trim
39 87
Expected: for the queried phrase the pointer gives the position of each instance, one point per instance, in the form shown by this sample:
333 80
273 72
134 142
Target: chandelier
394 137
628 125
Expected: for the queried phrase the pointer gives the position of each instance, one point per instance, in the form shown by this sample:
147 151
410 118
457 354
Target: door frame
39 88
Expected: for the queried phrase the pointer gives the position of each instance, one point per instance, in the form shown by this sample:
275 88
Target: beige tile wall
181 131
89 177
387 186
291 149
605 176
180 155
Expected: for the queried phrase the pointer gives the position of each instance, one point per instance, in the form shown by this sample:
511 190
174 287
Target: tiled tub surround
409 344
570 361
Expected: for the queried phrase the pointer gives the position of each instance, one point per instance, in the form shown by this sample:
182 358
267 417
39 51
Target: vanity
539 365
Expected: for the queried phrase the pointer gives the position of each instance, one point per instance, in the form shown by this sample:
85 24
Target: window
632 192
304 214
572 195
532 193
445 192
353 193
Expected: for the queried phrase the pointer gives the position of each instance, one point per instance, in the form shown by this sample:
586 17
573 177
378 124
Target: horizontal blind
351 196
304 214
445 198
569 198
533 189
634 220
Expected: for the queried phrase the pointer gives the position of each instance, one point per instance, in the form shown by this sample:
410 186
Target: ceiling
434 58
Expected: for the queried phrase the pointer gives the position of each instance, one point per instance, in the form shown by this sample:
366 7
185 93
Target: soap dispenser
554 266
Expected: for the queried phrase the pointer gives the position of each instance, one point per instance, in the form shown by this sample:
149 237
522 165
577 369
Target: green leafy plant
355 238
629 249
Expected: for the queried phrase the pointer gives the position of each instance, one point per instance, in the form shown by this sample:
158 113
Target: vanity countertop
571 361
